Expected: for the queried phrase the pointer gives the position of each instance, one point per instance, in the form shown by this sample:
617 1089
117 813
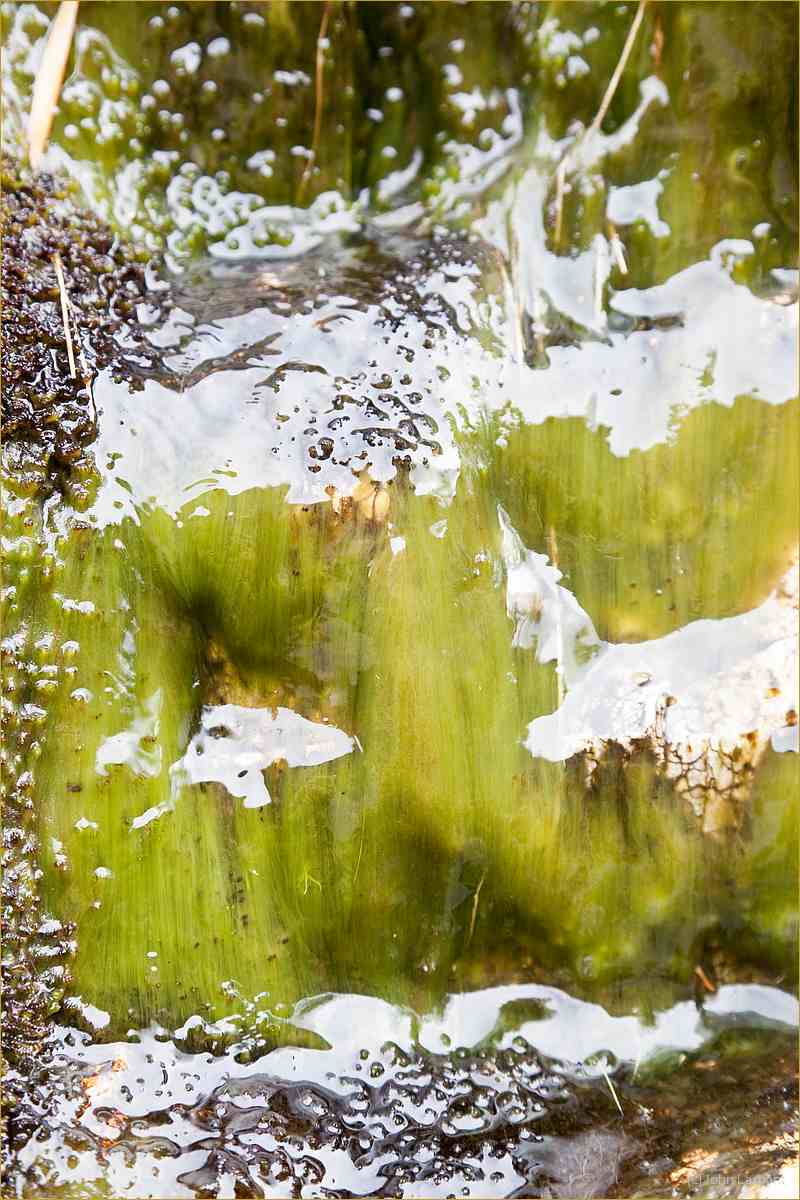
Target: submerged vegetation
399 584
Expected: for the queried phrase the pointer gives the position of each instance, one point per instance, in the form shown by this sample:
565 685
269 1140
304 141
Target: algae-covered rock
397 619
396 595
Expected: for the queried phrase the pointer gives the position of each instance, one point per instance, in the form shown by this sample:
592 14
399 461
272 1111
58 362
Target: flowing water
400 642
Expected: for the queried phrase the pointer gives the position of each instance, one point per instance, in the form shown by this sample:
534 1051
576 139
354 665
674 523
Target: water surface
403 689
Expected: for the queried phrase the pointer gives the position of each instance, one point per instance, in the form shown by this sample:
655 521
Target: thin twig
608 96
600 275
62 287
49 78
475 908
620 67
81 355
320 67
360 846
612 1089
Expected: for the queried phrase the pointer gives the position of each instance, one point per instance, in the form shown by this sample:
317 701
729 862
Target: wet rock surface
381 342
360 357
609 357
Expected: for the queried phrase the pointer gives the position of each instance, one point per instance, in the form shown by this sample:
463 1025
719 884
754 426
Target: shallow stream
400 660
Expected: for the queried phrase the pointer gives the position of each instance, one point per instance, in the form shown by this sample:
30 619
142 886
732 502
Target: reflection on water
353 359
497 1093
421 637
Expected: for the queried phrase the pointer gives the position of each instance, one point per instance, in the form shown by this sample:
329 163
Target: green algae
687 554
395 868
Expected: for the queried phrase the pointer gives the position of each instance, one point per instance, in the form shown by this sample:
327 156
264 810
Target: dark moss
43 404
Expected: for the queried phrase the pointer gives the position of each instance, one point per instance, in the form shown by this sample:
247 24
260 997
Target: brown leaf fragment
706 982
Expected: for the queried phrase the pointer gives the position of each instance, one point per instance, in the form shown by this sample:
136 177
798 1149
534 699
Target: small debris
617 250
706 982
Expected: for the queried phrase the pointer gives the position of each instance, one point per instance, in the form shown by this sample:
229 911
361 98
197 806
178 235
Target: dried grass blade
561 172
62 287
475 901
49 78
613 1091
620 67
318 97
